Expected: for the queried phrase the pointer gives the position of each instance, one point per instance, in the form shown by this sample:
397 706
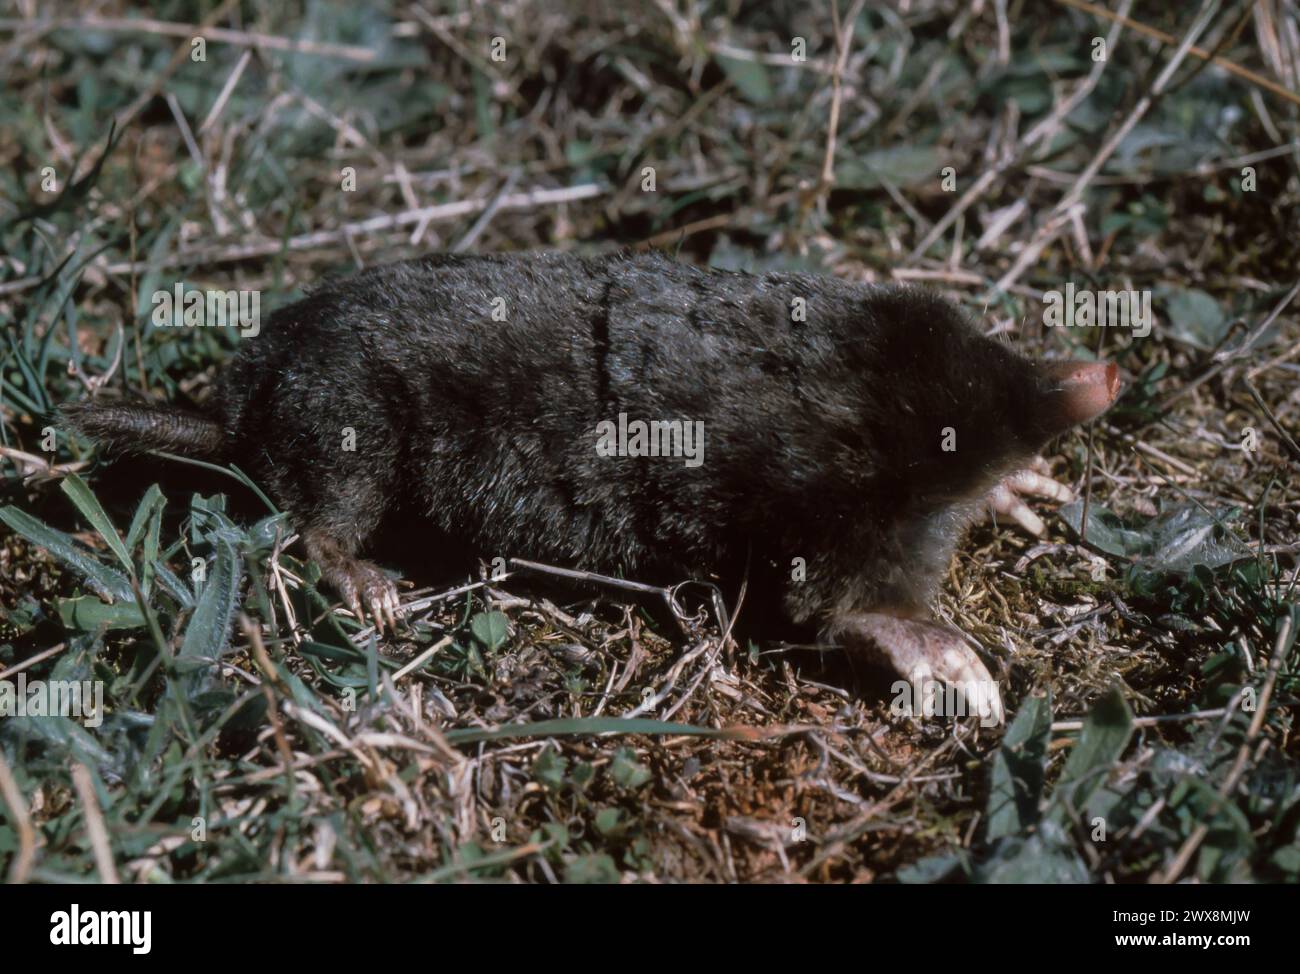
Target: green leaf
934 869
607 821
900 166
65 736
1287 859
1018 770
168 580
106 580
553 834
625 770
325 651
582 775
89 614
265 533
1045 857
490 629
1105 734
1227 814
549 768
148 510
596 867
91 510
1030 95
206 635
1176 540
372 667
145 531
1106 531
749 77
1195 318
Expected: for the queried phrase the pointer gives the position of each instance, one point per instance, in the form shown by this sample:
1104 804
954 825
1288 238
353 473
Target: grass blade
90 508
205 637
568 727
111 583
1105 734
1018 767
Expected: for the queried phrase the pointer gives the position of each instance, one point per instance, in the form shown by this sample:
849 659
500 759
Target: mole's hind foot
359 582
944 676
1035 480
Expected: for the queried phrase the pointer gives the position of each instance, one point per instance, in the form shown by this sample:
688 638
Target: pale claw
1004 498
375 608
358 582
392 604
381 597
922 651
347 588
1034 482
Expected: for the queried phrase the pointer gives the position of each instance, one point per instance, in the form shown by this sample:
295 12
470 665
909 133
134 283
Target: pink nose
1085 390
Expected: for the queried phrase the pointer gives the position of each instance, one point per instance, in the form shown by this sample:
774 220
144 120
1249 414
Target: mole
634 414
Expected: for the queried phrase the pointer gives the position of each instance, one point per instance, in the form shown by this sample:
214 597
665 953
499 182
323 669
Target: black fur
822 437
132 428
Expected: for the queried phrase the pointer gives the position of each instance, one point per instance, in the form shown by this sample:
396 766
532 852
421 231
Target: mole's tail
135 428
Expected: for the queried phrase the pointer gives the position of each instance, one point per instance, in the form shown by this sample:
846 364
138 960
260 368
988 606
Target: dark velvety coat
823 437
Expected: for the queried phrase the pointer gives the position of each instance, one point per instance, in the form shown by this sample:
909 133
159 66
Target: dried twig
21 867
1230 66
96 831
1060 213
167 28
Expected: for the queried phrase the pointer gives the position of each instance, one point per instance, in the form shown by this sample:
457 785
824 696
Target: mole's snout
1081 391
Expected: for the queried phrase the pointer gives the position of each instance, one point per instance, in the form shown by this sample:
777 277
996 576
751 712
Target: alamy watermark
656 438
183 307
1082 308
76 927
79 699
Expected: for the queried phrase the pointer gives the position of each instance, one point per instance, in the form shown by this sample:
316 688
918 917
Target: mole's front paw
365 582
1035 480
944 676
